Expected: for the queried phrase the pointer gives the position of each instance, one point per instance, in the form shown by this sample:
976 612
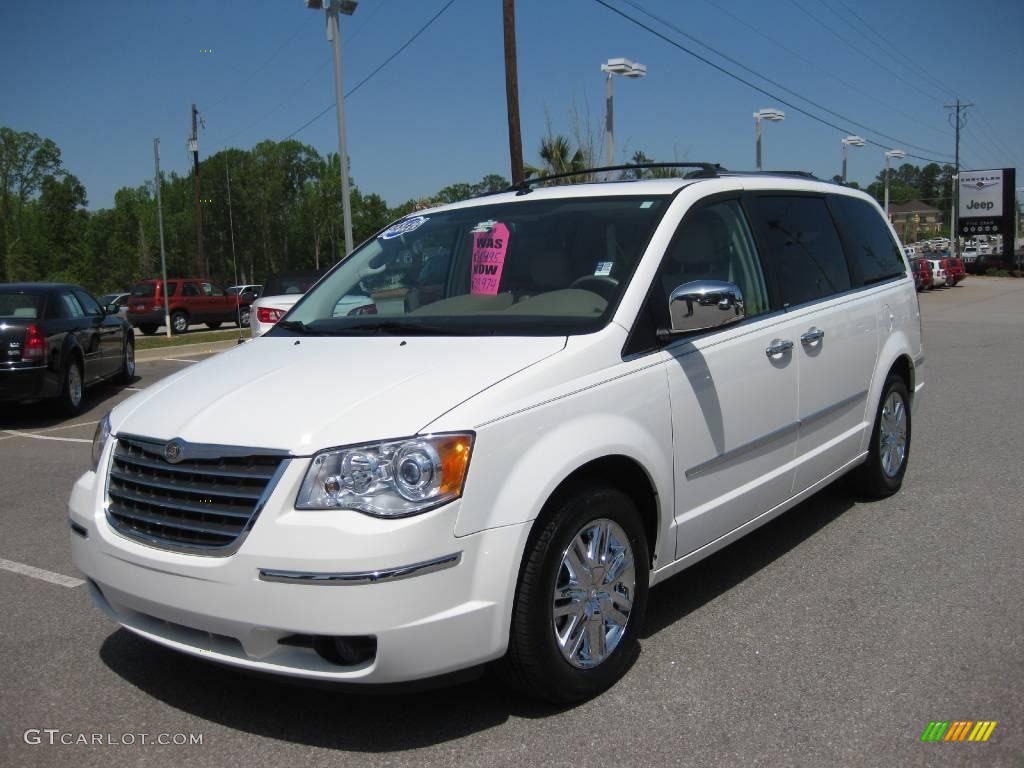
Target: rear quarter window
874 254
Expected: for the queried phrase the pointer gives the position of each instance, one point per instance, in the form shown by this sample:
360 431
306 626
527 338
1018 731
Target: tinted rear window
872 249
21 306
803 246
292 282
148 290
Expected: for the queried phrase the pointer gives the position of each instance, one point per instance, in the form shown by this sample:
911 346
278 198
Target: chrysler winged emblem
174 451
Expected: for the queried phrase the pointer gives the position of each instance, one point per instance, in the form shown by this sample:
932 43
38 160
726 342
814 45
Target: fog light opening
347 651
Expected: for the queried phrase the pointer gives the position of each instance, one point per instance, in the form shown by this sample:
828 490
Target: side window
172 288
875 256
88 303
72 309
712 243
190 289
207 289
214 290
803 247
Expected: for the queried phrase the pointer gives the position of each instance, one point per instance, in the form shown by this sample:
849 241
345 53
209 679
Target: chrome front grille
202 502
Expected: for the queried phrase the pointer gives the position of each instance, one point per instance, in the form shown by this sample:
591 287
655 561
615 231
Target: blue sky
102 78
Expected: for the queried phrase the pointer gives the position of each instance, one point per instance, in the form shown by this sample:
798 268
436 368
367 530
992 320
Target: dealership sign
986 202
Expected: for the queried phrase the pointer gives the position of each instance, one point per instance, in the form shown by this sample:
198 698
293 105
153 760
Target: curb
162 353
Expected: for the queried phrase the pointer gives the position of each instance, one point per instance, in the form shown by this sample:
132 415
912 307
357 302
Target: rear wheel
148 329
127 374
581 599
179 322
70 398
882 473
243 317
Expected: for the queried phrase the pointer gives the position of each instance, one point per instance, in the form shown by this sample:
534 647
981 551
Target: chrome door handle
778 347
813 335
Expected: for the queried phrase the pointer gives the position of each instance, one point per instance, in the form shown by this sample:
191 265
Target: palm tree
558 156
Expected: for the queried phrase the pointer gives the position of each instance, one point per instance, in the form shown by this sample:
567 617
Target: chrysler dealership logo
174 451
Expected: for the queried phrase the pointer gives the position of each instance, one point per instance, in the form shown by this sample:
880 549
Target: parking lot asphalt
831 636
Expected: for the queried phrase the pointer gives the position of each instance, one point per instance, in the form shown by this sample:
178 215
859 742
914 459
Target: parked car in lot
120 300
938 272
922 273
57 340
955 271
284 289
190 300
605 384
249 292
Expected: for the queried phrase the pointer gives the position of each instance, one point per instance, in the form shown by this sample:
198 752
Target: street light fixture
892 154
333 8
850 141
775 116
625 68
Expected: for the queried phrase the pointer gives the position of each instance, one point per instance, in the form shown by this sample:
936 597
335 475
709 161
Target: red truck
190 300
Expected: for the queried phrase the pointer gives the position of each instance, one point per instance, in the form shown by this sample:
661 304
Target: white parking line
38 573
16 433
180 360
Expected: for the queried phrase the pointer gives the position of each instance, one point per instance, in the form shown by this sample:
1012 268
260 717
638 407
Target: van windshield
543 267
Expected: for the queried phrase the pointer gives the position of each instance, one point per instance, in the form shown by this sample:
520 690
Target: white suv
567 395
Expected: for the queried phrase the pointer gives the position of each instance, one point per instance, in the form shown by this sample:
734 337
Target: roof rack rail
798 174
703 171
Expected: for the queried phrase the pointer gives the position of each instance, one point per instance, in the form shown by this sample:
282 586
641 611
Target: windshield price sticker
489 249
404 227
603 268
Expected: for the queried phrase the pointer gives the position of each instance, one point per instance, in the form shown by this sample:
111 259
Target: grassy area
201 337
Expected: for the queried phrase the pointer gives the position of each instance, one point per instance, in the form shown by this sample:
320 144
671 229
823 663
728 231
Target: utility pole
202 269
515 139
160 220
958 123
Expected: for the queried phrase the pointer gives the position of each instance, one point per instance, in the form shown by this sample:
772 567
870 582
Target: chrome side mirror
704 305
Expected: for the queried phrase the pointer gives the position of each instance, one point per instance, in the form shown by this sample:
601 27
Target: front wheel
882 472
70 398
127 373
581 599
243 317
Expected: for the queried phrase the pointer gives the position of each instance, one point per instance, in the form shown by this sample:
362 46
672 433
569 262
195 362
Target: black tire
179 322
127 374
148 329
535 664
877 477
243 317
213 326
72 391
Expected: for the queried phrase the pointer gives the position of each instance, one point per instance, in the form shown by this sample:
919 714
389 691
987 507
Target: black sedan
56 340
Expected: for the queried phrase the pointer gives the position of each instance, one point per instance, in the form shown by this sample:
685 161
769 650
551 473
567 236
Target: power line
867 56
889 47
744 67
366 79
1000 144
817 65
749 84
234 91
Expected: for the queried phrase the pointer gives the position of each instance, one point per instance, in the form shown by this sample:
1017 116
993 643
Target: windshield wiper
295 325
399 327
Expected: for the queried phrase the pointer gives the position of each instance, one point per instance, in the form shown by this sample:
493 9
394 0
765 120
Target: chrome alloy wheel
892 434
594 592
74 384
129 359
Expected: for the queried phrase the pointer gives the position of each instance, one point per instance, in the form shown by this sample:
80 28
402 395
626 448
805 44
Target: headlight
388 479
99 439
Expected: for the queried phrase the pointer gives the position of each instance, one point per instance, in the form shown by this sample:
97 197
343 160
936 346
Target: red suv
955 271
190 300
922 274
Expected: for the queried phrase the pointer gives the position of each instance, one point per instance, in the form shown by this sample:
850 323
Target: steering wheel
602 285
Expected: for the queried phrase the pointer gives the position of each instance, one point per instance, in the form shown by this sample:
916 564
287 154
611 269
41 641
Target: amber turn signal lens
454 453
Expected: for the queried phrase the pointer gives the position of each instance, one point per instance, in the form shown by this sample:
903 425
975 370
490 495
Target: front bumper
426 623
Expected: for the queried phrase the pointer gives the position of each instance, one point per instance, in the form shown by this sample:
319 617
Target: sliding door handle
779 347
812 336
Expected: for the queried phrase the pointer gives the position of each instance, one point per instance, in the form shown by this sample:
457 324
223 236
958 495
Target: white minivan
566 395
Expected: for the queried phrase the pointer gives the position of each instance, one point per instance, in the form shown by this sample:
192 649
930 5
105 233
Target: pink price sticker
489 249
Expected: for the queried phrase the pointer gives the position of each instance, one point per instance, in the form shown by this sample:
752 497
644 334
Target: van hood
303 395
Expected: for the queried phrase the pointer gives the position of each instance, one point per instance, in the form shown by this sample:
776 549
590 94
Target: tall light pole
160 223
333 9
850 141
613 67
775 116
890 154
